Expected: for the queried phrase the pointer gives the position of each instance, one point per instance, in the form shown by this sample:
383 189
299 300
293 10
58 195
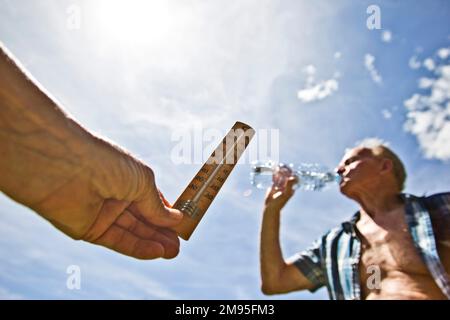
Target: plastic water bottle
310 176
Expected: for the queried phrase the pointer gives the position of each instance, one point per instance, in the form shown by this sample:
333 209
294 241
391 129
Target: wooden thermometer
204 187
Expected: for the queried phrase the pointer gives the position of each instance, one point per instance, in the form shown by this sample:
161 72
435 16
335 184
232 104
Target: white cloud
369 63
429 64
414 63
386 113
386 36
443 53
428 115
317 91
337 55
425 83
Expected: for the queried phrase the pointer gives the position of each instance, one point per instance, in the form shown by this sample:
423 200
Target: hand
105 197
276 199
136 224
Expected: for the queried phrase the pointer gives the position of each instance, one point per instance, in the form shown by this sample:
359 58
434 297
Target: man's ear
386 166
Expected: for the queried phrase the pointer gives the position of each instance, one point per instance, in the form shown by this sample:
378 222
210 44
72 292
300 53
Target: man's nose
339 170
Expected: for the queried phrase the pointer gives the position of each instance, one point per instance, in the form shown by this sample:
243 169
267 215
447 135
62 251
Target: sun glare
134 22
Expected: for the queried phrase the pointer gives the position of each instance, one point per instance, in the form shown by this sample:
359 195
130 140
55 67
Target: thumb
157 210
270 191
167 217
292 181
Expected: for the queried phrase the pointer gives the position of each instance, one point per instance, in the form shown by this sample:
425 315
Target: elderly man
395 247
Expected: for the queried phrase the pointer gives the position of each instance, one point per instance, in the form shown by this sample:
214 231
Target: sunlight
135 22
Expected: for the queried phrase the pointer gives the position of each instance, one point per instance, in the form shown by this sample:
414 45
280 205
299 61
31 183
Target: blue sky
138 71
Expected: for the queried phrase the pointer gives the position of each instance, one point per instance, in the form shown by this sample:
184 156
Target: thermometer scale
204 187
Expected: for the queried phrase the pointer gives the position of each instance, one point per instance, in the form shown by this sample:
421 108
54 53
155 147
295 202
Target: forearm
34 132
272 262
49 161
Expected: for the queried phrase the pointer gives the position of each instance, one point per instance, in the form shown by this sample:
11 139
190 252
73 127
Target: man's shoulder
441 198
345 227
438 196
437 201
438 206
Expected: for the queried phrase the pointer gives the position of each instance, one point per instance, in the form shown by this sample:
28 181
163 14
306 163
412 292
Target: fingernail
177 214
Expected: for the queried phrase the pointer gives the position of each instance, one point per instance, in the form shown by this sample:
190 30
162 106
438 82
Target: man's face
359 169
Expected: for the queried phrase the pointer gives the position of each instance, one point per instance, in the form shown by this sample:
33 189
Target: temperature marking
206 184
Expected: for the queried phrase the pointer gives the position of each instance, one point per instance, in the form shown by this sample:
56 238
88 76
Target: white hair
370 143
380 148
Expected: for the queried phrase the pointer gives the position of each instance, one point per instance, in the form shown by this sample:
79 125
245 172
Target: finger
269 192
123 241
166 217
168 238
278 181
278 194
290 184
153 210
109 211
288 191
173 247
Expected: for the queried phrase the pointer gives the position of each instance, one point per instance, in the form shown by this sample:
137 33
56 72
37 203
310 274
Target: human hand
114 202
276 198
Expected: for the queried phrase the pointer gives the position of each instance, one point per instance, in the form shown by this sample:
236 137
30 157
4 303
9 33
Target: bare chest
390 266
388 248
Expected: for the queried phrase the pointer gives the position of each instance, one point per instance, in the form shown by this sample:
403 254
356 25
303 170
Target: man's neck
379 204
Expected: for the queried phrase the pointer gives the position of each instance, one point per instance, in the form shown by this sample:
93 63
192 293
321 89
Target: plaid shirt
333 260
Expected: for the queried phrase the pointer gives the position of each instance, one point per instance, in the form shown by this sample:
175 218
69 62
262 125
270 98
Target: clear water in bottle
310 176
261 175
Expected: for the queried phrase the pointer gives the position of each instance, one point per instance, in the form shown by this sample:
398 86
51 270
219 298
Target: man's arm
87 187
276 275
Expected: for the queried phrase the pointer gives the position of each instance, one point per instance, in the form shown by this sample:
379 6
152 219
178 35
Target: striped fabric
333 260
